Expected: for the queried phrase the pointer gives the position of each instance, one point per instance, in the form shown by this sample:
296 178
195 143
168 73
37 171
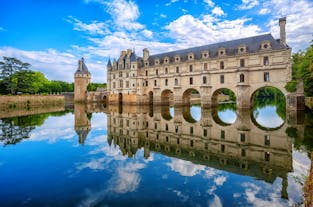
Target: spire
109 65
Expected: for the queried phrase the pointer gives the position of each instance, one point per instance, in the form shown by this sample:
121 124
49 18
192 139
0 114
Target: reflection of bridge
242 147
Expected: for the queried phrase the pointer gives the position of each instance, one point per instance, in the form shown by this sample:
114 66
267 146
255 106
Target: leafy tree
94 86
8 68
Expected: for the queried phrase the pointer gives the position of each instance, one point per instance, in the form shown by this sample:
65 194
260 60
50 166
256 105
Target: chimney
129 52
145 54
282 25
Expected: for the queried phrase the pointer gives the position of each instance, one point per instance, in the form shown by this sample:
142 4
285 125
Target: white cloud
124 14
218 11
171 2
264 11
191 31
163 15
299 25
215 202
210 3
147 33
248 4
219 181
56 65
93 28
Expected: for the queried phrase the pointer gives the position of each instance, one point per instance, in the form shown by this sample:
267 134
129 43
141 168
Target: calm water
138 156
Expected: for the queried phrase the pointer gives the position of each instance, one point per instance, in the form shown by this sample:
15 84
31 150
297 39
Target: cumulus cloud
191 31
210 3
218 11
93 28
299 25
264 11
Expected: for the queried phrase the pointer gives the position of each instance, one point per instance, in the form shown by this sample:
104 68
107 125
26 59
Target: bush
291 86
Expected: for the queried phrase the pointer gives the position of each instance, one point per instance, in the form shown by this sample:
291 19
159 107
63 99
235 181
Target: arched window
242 78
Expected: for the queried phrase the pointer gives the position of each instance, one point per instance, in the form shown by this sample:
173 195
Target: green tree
8 67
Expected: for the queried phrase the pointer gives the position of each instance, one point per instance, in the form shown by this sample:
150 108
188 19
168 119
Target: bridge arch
167 97
192 114
223 95
224 115
190 96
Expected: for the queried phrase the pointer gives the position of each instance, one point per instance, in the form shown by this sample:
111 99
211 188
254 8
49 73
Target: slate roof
253 45
82 68
109 65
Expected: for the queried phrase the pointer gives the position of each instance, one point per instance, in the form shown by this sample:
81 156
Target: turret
109 65
282 25
81 80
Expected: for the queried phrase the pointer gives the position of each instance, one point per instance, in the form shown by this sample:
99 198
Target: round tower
81 80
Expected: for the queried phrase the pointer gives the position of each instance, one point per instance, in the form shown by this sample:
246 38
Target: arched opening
192 114
191 97
151 98
268 108
120 98
223 96
167 97
167 112
224 114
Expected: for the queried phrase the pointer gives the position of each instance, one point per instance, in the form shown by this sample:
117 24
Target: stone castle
242 65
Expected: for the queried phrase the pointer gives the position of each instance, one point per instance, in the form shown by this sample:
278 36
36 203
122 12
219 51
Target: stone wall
17 104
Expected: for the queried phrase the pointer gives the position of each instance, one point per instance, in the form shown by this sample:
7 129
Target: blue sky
53 35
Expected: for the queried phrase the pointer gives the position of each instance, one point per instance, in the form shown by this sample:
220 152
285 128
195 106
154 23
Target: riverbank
11 106
308 190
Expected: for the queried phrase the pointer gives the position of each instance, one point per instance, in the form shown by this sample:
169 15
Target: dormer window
156 61
221 52
190 56
205 54
265 45
166 60
241 49
177 58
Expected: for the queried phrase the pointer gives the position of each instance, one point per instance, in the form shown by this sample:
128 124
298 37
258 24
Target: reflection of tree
227 106
14 130
269 96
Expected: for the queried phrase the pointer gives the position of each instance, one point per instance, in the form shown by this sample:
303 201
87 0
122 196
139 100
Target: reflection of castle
241 148
82 122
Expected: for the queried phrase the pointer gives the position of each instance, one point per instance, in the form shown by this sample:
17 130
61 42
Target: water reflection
131 155
267 117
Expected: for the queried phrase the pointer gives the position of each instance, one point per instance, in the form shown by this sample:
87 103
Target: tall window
191 130
146 73
190 81
146 83
120 74
222 65
242 78
205 66
222 134
266 60
166 70
222 79
127 84
267 140
155 82
242 62
121 83
190 68
157 72
166 82
204 80
177 69
176 81
114 85
266 76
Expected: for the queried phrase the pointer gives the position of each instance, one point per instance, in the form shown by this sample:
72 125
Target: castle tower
81 80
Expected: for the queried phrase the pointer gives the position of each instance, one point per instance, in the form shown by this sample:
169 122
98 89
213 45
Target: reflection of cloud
268 117
252 192
185 168
182 197
54 129
216 202
195 112
219 180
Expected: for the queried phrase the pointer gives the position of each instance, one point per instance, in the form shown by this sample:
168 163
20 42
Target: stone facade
81 80
243 66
